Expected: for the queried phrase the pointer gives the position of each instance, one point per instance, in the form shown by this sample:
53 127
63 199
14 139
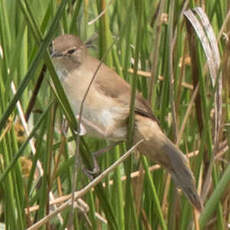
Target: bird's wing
112 85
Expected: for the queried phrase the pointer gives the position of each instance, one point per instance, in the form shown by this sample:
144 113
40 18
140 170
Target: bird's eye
71 51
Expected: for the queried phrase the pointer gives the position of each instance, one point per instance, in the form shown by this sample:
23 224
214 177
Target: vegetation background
167 51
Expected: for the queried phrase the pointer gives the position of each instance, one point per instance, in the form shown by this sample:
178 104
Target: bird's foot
92 173
96 169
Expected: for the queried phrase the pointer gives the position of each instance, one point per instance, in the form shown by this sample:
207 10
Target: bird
106 110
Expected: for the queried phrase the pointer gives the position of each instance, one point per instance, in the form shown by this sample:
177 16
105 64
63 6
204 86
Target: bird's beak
55 54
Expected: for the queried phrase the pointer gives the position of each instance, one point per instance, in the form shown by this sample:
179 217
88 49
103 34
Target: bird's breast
104 117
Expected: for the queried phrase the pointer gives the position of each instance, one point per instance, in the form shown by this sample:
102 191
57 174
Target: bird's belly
106 123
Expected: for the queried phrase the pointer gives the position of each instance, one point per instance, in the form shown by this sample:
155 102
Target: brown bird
106 110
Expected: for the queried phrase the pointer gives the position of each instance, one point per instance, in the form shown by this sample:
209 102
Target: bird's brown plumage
106 110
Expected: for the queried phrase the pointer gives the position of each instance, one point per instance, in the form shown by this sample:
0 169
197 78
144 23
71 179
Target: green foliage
153 46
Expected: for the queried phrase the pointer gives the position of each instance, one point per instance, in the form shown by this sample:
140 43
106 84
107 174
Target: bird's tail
159 148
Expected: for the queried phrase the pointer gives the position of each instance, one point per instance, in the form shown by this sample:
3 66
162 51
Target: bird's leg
83 131
105 149
96 168
64 128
